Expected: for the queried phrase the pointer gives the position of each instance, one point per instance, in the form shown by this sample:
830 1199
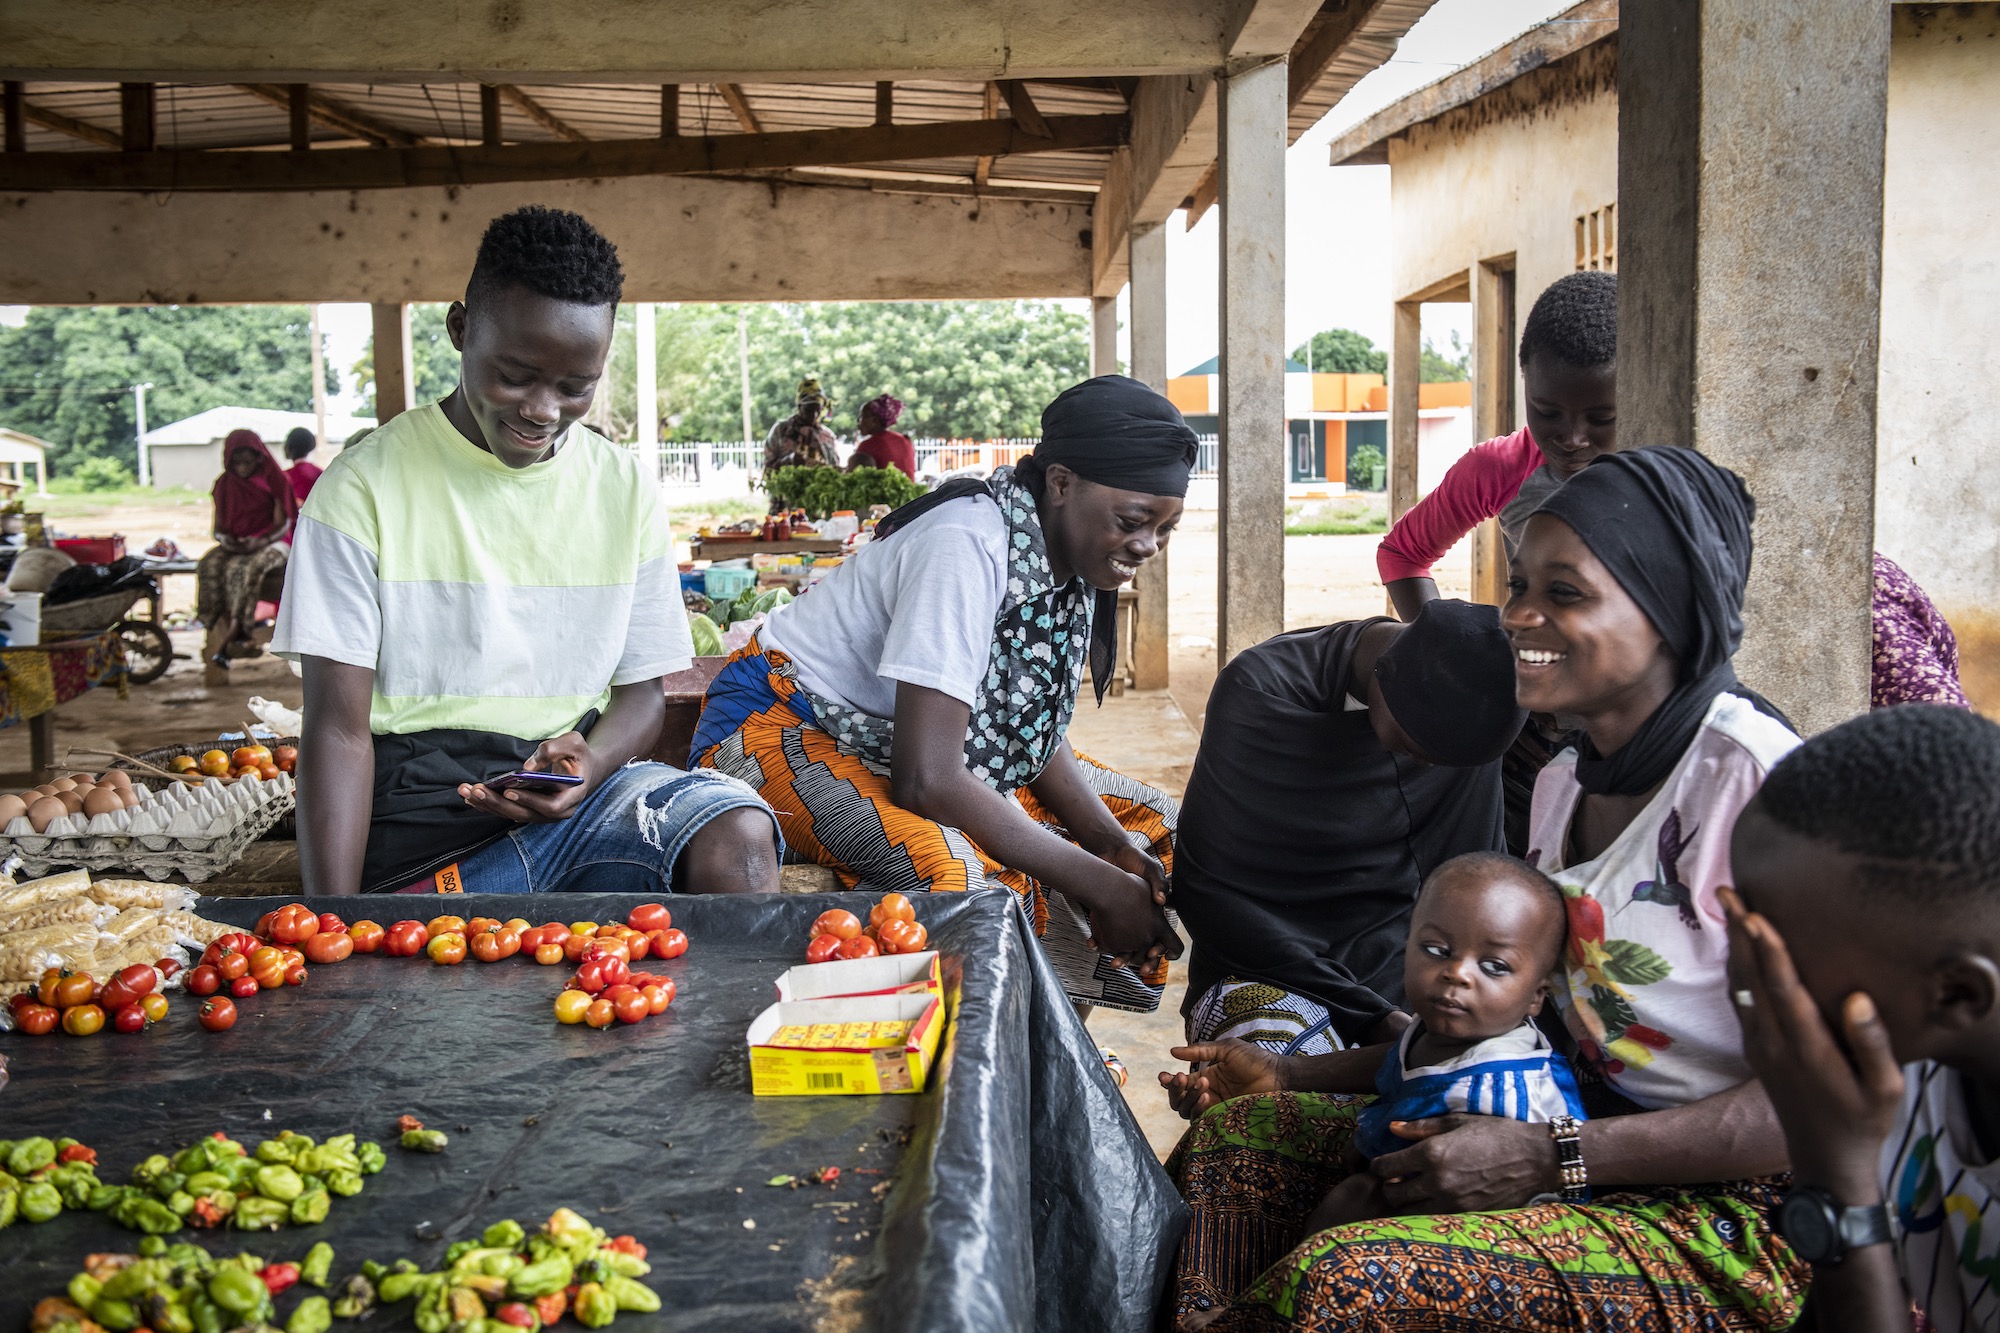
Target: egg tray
195 832
284 830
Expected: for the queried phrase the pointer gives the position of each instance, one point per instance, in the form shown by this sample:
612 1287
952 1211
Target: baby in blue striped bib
1485 937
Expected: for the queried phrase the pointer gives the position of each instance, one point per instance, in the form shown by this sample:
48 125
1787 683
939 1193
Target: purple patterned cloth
1916 654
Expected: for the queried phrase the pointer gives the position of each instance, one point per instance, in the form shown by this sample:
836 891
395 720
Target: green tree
436 360
66 374
1441 369
1342 351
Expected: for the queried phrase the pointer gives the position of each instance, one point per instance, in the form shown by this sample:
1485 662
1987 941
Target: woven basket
90 615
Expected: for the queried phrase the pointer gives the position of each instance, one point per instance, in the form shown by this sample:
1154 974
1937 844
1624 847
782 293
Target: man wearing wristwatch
1868 906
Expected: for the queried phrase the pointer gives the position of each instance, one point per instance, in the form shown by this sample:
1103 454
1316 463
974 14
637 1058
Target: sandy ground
1150 735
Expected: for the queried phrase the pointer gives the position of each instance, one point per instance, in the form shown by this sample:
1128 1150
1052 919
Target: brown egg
63 784
83 779
11 809
115 777
68 800
103 801
128 797
45 812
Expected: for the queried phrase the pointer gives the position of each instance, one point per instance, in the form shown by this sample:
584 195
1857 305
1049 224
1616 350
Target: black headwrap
1114 431
1674 530
1449 682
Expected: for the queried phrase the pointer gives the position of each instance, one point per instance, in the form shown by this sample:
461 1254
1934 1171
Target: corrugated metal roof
1373 42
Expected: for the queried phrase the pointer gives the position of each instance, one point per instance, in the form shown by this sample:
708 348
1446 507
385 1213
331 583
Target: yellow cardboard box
857 1044
894 974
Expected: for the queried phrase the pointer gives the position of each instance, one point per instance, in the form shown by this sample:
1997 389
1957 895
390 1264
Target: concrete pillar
1250 602
395 367
647 384
1750 171
1148 250
1103 335
1405 374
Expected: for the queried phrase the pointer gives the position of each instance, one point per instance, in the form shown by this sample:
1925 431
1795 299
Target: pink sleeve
1477 487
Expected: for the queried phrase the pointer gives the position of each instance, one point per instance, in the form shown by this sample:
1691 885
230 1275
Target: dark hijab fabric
1112 430
1449 682
1674 530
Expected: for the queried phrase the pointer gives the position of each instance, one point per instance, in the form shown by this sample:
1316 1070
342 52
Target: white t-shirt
919 607
1645 987
1943 1189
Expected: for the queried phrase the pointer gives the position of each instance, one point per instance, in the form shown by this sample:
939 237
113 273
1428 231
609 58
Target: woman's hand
1135 861
1837 1107
567 753
1228 1068
1468 1164
1126 920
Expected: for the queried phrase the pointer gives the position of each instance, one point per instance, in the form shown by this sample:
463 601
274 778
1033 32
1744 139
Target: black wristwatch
1821 1231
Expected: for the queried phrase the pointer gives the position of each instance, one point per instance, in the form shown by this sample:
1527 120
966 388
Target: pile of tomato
892 928
605 989
76 1003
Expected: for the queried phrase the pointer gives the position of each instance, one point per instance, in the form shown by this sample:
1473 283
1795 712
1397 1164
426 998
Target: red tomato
824 948
590 978
295 973
509 941
862 947
330 923
329 946
83 1020
263 926
244 987
658 995
548 954
479 925
895 934
21 1000
218 1014
600 1013
286 757
842 925
204 980
367 936
573 946
892 905
669 943
628 1003
294 923
639 945
155 1006
230 964
486 947
531 937
129 1019
126 988
447 948
168 967
608 949
649 917
405 939
37 1020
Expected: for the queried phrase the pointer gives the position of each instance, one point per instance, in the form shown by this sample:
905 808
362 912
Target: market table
37 679
737 548
1015 1192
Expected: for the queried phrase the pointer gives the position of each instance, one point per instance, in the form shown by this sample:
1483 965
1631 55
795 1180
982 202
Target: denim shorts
627 837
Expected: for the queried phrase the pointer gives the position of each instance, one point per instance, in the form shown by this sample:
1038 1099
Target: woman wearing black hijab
1627 592
906 717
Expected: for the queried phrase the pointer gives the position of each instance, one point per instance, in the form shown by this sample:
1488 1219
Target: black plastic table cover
1019 1191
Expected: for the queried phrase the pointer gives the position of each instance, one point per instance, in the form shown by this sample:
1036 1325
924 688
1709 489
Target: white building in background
188 452
20 451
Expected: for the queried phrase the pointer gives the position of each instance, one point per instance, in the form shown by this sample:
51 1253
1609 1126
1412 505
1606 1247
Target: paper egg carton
197 832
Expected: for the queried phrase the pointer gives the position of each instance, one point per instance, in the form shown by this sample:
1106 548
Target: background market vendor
906 718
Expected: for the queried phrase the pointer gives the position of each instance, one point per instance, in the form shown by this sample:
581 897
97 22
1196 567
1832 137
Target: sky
1337 218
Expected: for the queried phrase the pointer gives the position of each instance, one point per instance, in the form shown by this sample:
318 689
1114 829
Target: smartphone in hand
524 780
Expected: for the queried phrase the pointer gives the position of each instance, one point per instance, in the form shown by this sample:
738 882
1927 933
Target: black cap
1449 682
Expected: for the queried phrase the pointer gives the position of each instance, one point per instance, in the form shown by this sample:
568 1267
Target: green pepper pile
289 1180
509 1279
503 1281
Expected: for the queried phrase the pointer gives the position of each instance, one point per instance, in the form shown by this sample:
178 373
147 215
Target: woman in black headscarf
1627 596
906 717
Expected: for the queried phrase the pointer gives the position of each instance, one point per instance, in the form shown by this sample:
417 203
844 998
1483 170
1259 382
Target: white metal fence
695 470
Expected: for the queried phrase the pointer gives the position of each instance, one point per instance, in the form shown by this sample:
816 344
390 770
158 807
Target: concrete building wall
680 239
1937 510
1507 175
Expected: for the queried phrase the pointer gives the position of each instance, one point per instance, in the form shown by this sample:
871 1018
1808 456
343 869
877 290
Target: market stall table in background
37 680
991 1200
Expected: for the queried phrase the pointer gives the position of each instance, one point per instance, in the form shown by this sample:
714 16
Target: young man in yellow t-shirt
484 586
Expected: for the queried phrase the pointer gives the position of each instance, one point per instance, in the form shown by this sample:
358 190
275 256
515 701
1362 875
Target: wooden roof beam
885 102
982 166
1023 107
138 125
334 114
732 93
540 114
378 168
75 129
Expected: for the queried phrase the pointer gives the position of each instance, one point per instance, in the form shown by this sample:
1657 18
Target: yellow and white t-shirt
484 597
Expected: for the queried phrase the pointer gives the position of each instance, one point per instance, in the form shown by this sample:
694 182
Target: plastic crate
724 583
93 550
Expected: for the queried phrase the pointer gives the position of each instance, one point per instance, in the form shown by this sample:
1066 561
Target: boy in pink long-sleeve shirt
1569 352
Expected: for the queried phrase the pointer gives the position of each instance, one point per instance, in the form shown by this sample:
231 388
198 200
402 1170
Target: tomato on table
83 1020
549 954
837 922
71 989
204 981
37 1020
659 994
670 943
405 939
600 1013
126 988
628 1003
649 917
329 946
330 922
444 925
155 1006
893 905
862 947
267 967
217 1014
570 1006
485 947
824 948
446 948
509 941
295 972
294 923
367 936
243 987
229 964
479 925
129 1019
573 946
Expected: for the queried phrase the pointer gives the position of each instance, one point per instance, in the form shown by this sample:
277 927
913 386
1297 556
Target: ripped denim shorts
627 838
